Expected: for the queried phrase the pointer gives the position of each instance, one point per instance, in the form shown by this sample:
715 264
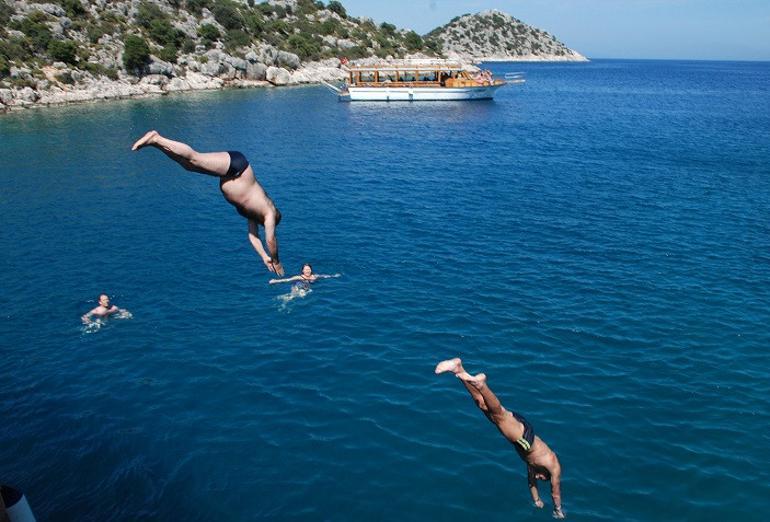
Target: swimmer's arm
287 280
556 491
272 244
327 276
270 240
87 317
257 243
532 481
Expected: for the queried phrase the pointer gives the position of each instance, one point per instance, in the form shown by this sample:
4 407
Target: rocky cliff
496 36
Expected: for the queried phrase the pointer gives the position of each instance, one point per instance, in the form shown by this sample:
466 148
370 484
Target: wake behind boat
434 80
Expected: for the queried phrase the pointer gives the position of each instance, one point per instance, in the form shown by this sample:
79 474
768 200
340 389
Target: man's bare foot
144 140
450 365
477 381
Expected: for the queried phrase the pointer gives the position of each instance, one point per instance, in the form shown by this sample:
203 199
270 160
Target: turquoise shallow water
596 241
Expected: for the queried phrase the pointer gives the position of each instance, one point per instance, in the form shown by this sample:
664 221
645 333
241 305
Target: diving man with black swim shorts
542 462
239 187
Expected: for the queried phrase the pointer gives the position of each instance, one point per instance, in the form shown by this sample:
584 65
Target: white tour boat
425 81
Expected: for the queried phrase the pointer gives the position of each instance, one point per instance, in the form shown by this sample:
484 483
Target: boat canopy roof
408 67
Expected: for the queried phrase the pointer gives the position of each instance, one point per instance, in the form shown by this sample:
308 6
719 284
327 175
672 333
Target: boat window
427 76
367 76
407 76
387 76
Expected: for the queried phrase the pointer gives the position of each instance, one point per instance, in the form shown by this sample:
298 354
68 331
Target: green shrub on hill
388 29
433 46
209 34
226 13
306 7
188 45
303 46
136 53
279 27
99 70
253 23
96 31
146 13
236 38
329 26
63 51
357 52
6 11
196 6
73 7
64 77
413 41
35 28
5 67
15 49
168 53
336 7
162 32
265 8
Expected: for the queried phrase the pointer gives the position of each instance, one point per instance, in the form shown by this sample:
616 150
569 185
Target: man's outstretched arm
532 482
556 492
272 244
256 242
86 318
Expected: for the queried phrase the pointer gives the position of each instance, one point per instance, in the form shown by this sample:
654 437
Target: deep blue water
596 241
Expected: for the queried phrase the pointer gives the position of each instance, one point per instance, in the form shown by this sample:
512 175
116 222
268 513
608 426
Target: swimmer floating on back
237 183
102 311
304 279
542 462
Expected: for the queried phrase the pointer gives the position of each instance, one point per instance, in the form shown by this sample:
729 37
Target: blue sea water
596 241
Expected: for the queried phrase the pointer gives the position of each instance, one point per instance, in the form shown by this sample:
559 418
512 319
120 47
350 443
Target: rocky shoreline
231 72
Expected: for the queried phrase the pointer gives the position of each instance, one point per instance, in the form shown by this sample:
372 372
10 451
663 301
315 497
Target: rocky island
65 51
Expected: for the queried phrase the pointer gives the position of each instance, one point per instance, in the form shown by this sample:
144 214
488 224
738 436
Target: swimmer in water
103 311
542 462
238 185
304 279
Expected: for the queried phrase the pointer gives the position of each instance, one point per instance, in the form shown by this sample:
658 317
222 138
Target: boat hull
482 92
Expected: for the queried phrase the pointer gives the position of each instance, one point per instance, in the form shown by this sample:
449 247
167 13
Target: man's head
539 473
104 300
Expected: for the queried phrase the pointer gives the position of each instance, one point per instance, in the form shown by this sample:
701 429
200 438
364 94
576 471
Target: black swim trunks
238 163
526 440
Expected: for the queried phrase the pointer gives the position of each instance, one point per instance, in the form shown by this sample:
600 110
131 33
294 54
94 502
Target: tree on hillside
136 53
336 7
413 41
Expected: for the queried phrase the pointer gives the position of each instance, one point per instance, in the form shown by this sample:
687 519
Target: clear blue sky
668 29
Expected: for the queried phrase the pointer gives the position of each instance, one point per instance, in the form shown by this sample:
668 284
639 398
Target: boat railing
331 87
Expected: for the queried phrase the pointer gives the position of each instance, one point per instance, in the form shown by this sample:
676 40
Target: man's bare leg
456 367
211 163
495 410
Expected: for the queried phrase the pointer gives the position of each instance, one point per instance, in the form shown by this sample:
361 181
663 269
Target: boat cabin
415 76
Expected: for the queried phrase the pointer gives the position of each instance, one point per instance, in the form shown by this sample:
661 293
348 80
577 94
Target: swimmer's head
307 270
540 473
104 300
